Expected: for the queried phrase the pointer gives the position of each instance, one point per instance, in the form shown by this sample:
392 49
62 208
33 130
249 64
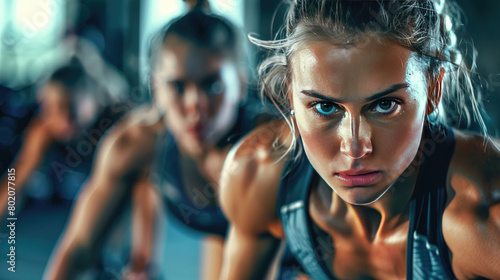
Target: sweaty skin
342 130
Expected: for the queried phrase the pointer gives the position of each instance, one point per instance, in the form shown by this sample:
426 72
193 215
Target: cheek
215 103
171 105
321 150
398 146
395 146
168 100
159 96
59 112
318 139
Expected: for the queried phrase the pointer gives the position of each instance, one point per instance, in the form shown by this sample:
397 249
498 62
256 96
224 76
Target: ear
434 92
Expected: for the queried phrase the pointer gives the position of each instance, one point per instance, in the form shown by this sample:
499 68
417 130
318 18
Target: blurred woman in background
70 103
171 151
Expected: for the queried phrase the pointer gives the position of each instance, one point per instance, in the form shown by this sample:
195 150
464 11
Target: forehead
365 68
180 59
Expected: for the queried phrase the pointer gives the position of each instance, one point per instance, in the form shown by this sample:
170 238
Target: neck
196 152
209 162
383 217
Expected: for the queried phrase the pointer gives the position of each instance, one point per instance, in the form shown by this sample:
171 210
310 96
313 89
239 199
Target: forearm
15 180
73 253
96 208
69 259
248 256
29 157
145 207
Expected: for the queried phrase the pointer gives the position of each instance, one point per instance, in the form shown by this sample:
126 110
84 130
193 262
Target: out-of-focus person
170 152
70 102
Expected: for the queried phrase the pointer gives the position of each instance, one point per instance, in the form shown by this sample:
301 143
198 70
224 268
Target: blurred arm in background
69 103
120 170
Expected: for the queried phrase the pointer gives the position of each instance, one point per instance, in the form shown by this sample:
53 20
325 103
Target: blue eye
385 107
325 108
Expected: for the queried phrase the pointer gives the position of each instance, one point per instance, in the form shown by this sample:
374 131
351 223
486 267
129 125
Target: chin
192 144
196 140
362 195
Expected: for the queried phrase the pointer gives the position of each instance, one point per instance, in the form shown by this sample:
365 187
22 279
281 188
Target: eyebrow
211 77
206 79
375 96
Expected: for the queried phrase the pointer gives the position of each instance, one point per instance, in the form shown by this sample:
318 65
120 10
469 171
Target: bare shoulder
476 156
471 221
129 145
250 178
475 169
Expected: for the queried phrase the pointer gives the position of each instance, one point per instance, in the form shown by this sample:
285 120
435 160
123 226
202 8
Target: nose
355 137
195 101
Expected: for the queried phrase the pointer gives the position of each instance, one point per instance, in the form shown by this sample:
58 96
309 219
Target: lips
197 130
359 177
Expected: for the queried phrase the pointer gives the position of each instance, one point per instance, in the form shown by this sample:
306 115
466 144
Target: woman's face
55 112
198 90
360 112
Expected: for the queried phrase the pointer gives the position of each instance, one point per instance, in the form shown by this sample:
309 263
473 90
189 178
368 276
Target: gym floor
38 228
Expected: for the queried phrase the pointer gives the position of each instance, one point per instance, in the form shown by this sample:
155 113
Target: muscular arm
473 234
248 255
31 154
145 207
249 189
471 222
119 166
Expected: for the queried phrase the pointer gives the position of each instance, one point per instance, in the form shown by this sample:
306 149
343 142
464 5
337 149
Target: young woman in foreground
178 145
364 178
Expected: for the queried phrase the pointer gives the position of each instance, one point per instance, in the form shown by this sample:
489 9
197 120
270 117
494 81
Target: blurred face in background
199 92
55 113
